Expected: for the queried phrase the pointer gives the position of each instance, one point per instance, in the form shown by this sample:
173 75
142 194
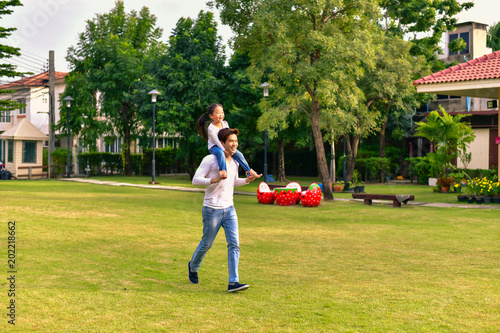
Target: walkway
202 190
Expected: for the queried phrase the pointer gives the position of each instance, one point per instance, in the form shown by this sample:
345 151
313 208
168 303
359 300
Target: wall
480 150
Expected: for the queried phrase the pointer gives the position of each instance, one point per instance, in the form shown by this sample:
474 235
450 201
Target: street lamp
68 100
265 87
153 94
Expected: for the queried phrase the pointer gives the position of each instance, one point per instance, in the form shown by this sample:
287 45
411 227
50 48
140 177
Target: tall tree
412 17
315 46
109 59
6 52
190 77
494 37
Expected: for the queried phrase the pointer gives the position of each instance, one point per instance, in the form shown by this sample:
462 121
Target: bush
165 159
60 157
97 161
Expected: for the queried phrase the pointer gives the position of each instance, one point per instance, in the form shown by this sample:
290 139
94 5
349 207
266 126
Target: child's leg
221 158
238 157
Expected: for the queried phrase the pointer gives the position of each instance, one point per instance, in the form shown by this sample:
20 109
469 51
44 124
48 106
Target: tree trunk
382 137
126 114
352 149
128 158
320 152
281 177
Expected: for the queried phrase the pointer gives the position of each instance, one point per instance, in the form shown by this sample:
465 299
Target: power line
33 58
33 55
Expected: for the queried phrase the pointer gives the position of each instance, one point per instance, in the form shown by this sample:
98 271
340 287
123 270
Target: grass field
114 259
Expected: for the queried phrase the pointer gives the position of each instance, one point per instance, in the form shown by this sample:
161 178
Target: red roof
482 68
38 80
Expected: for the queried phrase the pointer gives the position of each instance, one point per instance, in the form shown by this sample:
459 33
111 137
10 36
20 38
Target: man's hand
251 178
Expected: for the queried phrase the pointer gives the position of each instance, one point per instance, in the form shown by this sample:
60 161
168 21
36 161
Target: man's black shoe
193 276
237 287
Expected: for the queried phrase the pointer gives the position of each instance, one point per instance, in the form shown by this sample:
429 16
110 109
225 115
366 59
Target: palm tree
493 39
449 134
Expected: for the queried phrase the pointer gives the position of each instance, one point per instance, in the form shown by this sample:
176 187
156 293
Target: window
22 109
10 152
2 149
29 151
465 37
5 117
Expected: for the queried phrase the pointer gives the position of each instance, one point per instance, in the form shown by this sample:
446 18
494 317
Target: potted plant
338 186
445 183
470 191
359 186
458 189
496 192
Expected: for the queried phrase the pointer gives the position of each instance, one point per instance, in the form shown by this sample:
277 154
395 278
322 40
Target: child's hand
228 154
222 175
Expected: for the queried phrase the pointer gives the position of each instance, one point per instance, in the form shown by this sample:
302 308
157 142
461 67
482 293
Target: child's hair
201 127
226 132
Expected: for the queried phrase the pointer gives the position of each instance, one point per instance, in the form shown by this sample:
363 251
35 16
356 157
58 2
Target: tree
6 52
190 76
109 60
493 38
311 48
434 18
450 135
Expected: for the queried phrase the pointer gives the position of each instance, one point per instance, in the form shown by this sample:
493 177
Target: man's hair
226 132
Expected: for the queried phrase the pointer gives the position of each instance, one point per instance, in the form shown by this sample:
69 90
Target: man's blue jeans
221 158
213 219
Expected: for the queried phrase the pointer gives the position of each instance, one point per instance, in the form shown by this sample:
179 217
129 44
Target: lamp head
265 86
153 94
68 100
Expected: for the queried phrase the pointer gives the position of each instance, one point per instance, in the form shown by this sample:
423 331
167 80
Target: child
216 113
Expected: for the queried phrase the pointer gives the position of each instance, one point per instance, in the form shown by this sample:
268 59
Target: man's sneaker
193 276
237 287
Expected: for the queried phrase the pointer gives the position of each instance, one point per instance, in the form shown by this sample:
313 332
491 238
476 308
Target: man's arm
243 181
200 177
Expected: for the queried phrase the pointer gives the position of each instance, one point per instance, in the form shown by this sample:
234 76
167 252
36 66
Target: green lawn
98 258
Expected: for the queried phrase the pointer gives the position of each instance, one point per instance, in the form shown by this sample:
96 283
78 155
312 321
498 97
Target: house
33 91
21 148
469 88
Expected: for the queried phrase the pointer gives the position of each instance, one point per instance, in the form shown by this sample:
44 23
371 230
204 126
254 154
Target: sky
44 25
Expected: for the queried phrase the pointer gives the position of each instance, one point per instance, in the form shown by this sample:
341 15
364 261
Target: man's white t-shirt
218 195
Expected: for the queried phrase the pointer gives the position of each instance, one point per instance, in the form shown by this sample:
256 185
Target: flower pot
359 189
471 199
338 188
479 200
461 197
445 189
487 200
496 200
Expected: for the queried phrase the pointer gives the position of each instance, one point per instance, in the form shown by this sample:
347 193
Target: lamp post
153 94
265 87
68 100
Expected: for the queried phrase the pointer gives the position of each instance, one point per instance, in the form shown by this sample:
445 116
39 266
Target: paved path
202 190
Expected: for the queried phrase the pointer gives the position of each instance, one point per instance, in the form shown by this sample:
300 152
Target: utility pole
52 105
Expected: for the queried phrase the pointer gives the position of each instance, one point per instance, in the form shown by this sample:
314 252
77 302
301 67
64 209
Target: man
218 210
